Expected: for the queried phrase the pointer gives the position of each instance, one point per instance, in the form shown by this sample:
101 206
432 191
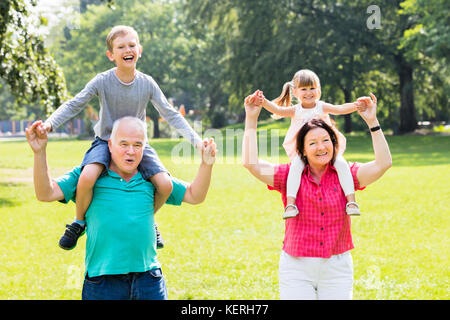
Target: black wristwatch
375 128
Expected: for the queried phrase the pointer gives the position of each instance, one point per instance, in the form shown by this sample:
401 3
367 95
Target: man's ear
109 145
110 55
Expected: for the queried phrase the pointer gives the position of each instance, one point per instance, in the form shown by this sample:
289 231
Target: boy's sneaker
159 239
73 231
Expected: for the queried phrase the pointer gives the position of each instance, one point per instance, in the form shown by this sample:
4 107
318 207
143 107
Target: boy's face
125 51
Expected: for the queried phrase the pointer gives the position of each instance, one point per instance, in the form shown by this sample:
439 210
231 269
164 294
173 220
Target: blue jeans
147 285
99 153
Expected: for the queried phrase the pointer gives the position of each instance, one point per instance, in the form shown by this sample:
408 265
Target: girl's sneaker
290 213
352 211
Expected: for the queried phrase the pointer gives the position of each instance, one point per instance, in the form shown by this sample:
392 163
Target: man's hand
36 135
209 152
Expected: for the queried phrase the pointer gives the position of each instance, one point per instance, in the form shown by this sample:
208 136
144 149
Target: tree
25 64
428 41
268 41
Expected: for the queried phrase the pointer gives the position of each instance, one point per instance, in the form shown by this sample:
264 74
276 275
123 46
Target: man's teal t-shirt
120 222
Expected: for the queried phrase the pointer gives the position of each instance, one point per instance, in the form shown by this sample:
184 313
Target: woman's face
318 147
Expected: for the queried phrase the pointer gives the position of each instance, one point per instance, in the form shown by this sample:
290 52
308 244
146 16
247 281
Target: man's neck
126 75
124 175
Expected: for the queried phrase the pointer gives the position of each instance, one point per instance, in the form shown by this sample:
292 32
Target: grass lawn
228 247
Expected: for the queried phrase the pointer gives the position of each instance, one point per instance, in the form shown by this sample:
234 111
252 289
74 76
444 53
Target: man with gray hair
120 260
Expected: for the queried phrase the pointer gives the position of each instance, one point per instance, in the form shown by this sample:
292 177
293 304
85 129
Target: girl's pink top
322 228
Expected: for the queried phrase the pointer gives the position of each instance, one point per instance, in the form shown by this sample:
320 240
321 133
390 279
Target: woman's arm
262 170
345 108
371 171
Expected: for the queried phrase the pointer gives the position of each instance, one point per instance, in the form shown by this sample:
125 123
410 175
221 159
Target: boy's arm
345 108
71 108
172 116
197 190
45 188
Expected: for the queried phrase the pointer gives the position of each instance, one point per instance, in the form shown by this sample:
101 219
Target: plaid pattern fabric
322 228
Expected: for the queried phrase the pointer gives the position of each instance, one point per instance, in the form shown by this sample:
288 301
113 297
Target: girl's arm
262 170
371 171
276 109
345 108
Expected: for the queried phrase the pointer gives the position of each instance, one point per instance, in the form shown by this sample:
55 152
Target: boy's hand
36 136
47 126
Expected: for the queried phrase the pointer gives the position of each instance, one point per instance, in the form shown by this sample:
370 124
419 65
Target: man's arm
197 190
44 187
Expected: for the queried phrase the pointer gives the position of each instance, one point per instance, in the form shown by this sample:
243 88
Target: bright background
228 247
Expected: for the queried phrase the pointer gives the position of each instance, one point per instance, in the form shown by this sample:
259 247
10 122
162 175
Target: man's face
127 148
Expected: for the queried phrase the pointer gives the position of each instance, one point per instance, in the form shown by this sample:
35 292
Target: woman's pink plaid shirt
322 228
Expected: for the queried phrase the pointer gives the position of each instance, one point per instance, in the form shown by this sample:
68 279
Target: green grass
228 247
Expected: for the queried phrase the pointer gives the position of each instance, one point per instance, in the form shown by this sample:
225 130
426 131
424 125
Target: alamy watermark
228 145
374 20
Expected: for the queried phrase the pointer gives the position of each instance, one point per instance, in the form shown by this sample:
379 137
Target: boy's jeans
147 285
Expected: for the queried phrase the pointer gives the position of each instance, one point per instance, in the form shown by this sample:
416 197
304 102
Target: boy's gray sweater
119 99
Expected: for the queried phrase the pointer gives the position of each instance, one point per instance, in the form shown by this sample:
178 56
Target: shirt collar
329 169
116 176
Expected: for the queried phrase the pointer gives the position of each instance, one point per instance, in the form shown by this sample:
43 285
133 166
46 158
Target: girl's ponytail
284 99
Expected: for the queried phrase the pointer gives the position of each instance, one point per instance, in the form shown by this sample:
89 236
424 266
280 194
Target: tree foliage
25 64
209 54
269 40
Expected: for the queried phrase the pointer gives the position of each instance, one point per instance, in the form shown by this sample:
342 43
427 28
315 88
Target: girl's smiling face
307 95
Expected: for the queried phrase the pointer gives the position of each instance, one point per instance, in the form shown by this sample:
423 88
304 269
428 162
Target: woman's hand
253 104
367 109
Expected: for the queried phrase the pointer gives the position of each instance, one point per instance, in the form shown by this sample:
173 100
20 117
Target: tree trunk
408 119
154 116
347 117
